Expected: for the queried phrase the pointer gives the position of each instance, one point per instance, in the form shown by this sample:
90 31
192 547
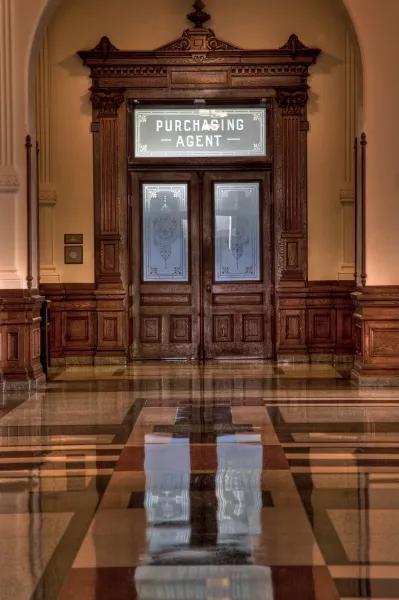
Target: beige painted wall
130 24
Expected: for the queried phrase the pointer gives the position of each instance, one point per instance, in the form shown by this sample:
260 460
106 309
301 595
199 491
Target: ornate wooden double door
201 265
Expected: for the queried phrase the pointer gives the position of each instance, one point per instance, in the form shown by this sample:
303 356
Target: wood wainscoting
314 323
376 324
87 326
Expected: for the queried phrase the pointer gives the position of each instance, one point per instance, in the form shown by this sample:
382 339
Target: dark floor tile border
281 429
137 499
343 463
50 430
342 427
368 588
285 429
347 402
49 466
202 458
303 583
106 584
8 404
321 524
357 451
299 583
90 454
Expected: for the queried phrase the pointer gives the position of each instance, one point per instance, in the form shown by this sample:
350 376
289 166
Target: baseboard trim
66 361
333 359
21 385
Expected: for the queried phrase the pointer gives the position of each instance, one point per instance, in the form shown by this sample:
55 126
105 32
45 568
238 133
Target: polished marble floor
199 482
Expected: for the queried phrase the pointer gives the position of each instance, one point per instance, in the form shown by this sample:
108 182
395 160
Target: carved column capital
292 100
106 101
47 195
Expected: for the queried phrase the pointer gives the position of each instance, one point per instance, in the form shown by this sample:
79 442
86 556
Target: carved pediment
199 45
197 40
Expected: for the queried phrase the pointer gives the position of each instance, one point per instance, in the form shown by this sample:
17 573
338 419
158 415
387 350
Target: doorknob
208 287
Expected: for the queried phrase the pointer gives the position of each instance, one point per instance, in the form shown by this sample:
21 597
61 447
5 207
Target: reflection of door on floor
201 265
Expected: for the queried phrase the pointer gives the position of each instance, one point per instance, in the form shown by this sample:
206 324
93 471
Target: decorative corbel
292 100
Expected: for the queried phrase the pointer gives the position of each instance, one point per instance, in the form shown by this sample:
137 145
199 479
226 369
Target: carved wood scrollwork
197 40
291 100
106 101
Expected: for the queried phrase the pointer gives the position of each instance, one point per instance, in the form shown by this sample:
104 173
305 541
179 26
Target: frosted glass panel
237 232
165 242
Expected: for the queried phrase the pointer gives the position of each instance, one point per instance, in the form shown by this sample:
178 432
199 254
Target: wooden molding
20 366
316 320
86 323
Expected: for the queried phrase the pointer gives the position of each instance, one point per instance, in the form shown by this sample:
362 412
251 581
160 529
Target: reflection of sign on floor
176 499
239 582
200 132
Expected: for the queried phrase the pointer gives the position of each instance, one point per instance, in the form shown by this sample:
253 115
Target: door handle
208 288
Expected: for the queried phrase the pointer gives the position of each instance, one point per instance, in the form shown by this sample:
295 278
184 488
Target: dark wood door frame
197 65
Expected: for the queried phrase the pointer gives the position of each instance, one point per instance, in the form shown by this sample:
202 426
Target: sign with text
200 132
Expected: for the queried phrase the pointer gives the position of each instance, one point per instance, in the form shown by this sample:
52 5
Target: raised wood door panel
237 296
165 285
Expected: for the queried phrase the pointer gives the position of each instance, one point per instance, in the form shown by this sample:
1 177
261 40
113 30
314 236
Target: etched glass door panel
236 231
165 232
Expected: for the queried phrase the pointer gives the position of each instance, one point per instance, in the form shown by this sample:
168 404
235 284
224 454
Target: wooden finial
198 17
104 47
